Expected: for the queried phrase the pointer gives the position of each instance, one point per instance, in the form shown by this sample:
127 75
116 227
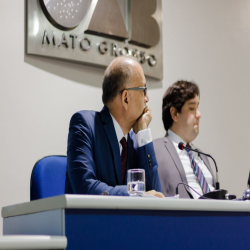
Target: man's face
188 120
138 98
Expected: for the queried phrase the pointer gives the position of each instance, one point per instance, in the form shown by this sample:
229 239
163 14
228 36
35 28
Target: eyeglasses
137 89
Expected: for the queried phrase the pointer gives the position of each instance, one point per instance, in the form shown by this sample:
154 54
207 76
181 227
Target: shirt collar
118 130
174 137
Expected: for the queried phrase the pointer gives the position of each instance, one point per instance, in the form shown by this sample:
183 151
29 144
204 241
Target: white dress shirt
185 160
143 137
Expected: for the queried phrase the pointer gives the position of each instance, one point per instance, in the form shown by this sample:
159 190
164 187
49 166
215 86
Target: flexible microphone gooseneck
182 146
182 183
217 194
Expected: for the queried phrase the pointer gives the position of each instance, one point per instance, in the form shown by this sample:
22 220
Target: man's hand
143 121
154 193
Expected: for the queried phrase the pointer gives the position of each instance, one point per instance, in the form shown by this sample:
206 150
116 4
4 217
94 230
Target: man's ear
174 114
125 99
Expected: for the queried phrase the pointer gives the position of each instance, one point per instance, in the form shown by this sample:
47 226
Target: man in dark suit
101 145
181 116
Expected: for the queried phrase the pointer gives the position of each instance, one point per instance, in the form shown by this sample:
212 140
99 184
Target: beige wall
206 41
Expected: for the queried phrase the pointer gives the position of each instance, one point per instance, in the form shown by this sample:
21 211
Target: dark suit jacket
94 161
170 168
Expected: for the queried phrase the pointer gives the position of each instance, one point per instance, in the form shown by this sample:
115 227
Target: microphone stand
218 194
217 184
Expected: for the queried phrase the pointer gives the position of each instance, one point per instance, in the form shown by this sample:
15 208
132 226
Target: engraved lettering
152 60
85 44
103 47
73 36
142 57
64 41
124 51
114 49
134 53
48 38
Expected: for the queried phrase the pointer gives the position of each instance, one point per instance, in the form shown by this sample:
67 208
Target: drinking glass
136 182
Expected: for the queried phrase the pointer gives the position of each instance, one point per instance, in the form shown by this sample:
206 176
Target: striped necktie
198 172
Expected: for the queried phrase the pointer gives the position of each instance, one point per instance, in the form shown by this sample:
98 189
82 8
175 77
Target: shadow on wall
81 73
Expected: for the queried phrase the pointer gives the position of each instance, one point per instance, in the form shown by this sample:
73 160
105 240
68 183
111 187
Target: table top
123 203
33 242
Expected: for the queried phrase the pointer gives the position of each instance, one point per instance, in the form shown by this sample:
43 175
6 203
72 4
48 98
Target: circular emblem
65 14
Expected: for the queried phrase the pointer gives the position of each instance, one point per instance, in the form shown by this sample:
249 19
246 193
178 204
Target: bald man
102 146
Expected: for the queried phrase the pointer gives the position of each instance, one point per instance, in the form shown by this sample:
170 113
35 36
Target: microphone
218 194
246 193
248 182
182 146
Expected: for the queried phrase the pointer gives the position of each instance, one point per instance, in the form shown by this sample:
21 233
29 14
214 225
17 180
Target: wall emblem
94 32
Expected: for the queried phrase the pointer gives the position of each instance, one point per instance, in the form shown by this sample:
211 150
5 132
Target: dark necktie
198 172
124 156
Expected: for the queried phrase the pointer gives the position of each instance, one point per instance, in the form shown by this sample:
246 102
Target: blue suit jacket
94 161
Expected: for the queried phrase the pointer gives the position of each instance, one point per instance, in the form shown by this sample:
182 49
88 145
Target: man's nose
147 97
198 113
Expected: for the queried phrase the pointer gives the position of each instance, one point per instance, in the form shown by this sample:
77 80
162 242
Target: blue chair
48 177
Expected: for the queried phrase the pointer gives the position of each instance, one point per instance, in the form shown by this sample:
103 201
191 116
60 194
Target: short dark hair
175 96
115 79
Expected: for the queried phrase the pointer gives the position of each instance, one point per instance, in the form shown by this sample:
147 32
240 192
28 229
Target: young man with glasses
101 145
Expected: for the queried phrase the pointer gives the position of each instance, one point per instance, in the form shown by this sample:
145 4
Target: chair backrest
48 177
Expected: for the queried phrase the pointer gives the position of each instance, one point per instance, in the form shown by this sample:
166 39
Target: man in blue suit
102 146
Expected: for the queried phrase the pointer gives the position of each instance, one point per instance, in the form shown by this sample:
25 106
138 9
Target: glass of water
136 182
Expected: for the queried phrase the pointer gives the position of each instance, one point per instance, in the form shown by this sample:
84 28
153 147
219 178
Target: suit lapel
112 138
176 159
